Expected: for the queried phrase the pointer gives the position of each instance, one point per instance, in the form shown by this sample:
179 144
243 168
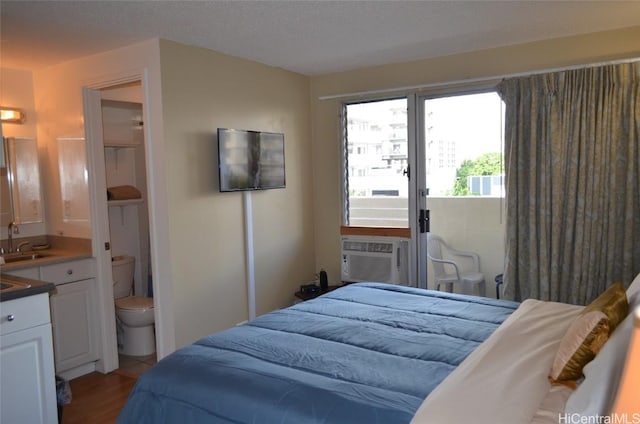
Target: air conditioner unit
382 259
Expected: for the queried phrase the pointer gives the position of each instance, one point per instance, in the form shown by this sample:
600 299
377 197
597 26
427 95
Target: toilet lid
134 302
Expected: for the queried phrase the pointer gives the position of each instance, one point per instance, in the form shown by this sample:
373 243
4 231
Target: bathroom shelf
121 144
117 145
124 202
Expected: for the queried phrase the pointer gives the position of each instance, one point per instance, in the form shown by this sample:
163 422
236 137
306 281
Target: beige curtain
573 182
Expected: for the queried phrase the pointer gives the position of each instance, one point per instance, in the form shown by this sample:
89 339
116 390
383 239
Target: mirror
21 195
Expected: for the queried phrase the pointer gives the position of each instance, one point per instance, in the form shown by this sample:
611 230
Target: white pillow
596 394
633 293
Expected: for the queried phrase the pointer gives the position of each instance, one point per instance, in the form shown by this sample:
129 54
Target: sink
6 286
21 257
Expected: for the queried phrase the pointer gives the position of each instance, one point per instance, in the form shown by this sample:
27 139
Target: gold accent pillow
613 302
584 338
587 334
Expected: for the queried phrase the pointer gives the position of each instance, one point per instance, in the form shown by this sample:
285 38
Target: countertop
35 287
49 256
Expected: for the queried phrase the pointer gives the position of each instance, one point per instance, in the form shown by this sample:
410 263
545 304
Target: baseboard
76 372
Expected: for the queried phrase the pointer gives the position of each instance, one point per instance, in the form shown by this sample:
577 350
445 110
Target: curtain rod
485 80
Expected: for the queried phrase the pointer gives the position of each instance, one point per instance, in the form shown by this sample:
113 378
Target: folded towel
124 192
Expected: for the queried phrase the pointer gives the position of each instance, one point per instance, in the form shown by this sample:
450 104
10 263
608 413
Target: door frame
157 209
418 190
417 241
100 230
417 151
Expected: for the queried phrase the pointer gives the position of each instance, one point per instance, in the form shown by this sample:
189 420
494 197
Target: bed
366 353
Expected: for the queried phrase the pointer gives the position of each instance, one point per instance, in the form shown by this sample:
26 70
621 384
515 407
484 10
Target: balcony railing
467 222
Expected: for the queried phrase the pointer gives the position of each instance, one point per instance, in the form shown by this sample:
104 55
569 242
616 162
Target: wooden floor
98 398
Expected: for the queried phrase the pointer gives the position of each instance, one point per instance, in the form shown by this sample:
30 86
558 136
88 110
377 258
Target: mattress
365 353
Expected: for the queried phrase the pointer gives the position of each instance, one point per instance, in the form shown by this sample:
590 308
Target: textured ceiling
309 37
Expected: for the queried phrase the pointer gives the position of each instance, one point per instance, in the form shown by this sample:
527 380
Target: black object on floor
499 281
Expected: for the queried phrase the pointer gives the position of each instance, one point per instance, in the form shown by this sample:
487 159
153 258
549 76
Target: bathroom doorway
126 180
125 173
118 170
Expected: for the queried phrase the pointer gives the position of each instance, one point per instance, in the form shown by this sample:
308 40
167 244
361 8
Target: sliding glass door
463 175
420 163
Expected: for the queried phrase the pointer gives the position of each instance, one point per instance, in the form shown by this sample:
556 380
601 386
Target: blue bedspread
365 353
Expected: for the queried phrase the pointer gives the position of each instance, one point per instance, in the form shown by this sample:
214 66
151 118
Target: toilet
134 314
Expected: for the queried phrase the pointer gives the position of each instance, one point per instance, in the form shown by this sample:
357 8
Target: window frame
344 168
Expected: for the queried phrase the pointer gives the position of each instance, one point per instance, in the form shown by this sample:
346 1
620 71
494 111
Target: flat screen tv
250 160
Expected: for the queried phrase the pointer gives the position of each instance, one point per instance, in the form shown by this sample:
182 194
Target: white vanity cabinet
74 313
74 316
26 362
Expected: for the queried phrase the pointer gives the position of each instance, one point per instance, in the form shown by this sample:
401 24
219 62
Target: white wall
16 90
203 90
326 146
473 224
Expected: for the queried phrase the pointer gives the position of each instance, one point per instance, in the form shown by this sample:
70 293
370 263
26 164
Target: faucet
10 229
21 245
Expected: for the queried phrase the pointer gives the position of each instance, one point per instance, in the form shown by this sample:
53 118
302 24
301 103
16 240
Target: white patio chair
449 267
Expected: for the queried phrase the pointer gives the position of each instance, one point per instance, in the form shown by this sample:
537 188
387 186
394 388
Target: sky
474 121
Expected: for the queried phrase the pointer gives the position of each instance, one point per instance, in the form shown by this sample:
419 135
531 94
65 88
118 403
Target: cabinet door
74 324
27 377
32 272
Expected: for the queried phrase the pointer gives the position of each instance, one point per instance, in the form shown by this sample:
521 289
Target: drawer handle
69 271
10 317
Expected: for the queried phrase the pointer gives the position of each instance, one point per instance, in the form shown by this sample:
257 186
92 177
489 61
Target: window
464 145
376 194
463 155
